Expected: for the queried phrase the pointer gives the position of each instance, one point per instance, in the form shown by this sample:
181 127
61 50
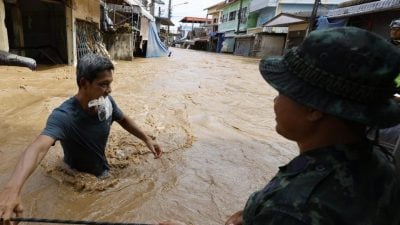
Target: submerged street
211 113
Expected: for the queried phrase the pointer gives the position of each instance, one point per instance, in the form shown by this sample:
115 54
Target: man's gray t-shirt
82 136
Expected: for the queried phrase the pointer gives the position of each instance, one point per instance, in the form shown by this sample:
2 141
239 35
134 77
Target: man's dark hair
90 65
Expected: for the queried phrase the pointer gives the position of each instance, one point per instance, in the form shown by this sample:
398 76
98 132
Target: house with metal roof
374 16
214 13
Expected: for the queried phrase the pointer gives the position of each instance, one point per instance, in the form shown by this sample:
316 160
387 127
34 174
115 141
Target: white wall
3 30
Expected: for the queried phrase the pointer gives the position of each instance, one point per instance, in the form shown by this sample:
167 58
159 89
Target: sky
192 8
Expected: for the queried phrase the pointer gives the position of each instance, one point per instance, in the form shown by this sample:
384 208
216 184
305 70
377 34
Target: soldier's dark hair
90 65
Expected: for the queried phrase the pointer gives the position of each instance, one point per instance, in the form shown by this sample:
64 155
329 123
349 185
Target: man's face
395 33
291 118
101 86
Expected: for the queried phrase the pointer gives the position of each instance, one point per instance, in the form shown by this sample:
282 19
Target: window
243 15
232 15
225 18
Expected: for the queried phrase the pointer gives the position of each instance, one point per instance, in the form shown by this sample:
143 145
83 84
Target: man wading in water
82 125
338 82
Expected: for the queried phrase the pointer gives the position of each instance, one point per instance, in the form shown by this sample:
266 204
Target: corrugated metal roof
372 7
189 19
165 21
136 3
218 5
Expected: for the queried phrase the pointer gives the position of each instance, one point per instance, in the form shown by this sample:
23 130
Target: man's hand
154 148
235 219
10 203
171 222
132 128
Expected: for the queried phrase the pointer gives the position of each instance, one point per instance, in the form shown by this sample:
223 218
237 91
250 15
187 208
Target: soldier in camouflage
331 88
395 32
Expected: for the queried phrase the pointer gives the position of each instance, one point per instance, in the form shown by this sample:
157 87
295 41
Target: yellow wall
88 10
296 27
3 30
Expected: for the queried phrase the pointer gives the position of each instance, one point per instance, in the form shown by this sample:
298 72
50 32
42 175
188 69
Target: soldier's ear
314 115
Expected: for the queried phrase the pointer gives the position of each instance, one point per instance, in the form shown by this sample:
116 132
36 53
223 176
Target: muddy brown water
211 113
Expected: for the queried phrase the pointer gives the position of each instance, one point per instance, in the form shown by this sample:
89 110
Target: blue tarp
325 23
155 47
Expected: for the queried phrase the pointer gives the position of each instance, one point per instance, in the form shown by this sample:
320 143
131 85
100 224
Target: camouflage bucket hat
346 72
395 23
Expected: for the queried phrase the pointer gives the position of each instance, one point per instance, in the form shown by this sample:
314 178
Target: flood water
211 113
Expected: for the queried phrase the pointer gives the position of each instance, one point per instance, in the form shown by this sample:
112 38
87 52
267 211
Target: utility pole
169 19
239 16
152 7
313 16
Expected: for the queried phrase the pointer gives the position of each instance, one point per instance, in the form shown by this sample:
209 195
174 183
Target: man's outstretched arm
10 196
130 126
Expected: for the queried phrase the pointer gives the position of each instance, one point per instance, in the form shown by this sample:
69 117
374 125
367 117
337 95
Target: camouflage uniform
342 184
348 73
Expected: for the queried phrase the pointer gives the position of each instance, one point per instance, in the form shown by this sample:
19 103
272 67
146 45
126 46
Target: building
51 32
282 24
297 25
130 24
374 16
233 22
214 13
197 37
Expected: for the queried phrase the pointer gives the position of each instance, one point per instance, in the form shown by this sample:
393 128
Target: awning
239 36
283 20
366 8
144 12
165 21
136 3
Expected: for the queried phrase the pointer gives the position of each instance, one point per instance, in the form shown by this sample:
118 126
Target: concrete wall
296 27
261 4
304 6
88 10
265 15
3 30
292 8
120 46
